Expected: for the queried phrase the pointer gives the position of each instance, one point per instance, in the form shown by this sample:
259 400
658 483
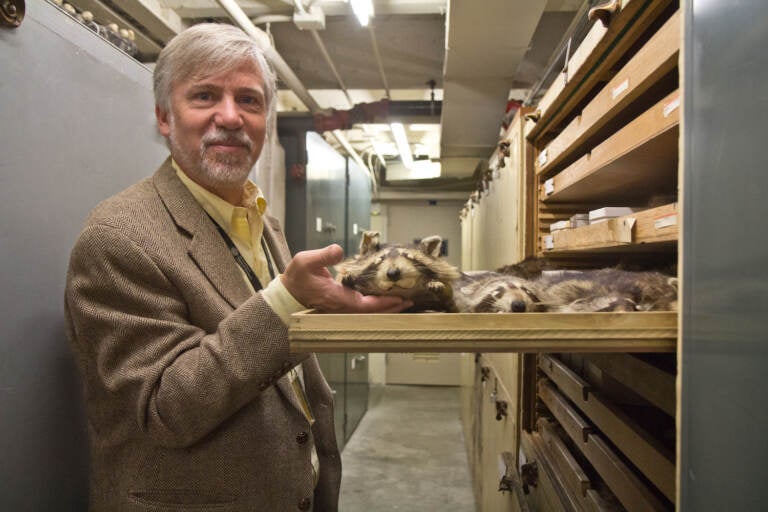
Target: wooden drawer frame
484 332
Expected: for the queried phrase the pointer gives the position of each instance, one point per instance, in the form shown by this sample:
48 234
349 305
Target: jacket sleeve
147 368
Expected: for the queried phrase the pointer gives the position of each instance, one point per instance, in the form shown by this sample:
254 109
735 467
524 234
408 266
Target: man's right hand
307 278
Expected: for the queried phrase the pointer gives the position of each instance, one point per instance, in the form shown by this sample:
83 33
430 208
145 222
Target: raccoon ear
370 242
431 245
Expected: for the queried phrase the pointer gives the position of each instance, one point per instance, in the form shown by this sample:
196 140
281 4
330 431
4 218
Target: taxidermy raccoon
566 292
493 292
414 272
606 290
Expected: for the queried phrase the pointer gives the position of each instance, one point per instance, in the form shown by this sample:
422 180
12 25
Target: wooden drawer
552 479
593 62
644 151
484 332
646 453
631 232
628 488
653 61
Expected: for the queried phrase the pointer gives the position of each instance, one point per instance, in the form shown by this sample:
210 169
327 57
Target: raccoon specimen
606 290
493 292
566 292
415 272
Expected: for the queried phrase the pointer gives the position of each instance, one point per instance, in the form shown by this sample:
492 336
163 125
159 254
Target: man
194 401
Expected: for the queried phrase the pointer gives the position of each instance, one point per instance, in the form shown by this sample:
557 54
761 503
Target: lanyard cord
250 274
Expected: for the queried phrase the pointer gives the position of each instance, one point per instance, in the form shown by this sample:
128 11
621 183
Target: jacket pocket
151 500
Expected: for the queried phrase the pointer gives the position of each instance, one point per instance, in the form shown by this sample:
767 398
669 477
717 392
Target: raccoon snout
518 306
393 274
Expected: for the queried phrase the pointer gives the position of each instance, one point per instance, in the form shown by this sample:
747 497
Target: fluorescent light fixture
398 130
417 127
363 9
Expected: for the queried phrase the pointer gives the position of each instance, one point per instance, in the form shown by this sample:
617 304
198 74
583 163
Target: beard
216 168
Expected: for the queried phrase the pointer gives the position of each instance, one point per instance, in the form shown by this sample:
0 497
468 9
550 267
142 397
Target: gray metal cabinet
328 200
76 126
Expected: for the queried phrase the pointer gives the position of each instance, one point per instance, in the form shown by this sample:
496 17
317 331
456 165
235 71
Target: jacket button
302 437
305 503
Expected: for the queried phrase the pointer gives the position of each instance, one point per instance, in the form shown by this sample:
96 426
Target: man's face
216 127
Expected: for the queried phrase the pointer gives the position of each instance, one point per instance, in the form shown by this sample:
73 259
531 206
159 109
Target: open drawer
484 332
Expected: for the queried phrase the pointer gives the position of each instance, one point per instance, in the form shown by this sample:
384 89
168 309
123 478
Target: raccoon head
414 272
491 292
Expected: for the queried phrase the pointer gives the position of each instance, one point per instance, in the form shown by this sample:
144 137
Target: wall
77 123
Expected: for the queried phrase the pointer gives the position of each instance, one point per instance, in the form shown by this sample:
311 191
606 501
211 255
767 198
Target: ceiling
470 57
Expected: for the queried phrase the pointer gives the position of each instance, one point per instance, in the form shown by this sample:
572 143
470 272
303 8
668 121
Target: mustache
227 137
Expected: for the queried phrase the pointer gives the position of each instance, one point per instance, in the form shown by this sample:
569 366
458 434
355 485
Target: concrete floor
407 454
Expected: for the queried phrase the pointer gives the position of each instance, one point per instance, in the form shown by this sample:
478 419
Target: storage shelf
484 332
644 151
653 61
652 226
593 60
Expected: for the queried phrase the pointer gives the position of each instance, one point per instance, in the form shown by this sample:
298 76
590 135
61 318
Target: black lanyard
250 274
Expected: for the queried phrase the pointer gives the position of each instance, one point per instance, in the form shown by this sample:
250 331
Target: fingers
321 258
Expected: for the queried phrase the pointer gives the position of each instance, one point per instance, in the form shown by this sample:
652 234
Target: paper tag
623 86
671 106
319 224
543 158
354 228
623 230
549 242
549 186
665 221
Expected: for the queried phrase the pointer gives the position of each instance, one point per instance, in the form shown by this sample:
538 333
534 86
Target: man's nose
228 114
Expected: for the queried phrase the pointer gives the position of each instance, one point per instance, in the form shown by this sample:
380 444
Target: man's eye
250 101
203 96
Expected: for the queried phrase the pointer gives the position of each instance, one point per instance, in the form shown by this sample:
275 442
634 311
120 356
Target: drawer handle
529 474
533 116
604 11
501 409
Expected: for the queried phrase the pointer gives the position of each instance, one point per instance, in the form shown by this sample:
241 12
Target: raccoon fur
606 290
415 272
493 292
566 292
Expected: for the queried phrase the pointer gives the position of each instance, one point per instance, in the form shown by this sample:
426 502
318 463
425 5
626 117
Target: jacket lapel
273 234
206 247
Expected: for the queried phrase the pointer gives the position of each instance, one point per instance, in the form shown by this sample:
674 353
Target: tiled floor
408 454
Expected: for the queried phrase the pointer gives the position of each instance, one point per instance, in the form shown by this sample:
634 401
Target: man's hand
307 278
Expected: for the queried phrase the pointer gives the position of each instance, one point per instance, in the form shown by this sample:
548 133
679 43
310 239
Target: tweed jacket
184 368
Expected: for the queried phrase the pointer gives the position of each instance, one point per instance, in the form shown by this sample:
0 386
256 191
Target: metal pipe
378 59
329 61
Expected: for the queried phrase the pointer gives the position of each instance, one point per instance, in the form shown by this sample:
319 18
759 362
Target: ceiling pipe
287 75
379 62
329 61
326 55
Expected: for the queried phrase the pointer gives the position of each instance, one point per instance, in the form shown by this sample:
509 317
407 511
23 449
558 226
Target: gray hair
205 48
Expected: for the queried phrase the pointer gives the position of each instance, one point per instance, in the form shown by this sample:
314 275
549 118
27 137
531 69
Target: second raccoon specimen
417 272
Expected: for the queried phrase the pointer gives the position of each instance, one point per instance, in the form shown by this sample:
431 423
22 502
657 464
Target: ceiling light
363 9
398 130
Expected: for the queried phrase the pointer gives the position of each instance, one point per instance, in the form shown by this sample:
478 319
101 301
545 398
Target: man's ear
163 121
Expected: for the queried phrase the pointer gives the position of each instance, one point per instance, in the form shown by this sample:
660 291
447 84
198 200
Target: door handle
357 359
